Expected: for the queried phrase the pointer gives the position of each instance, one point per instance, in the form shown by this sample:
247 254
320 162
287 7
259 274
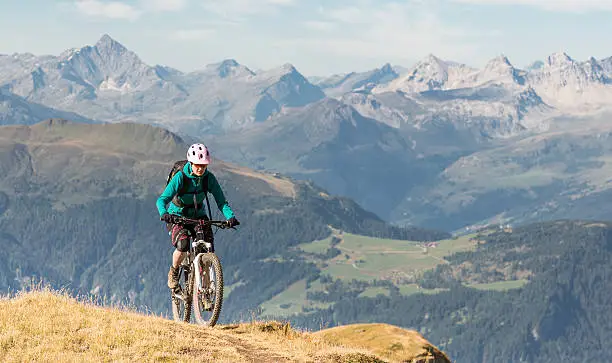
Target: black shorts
180 235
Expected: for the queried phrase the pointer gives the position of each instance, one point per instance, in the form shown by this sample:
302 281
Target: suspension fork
197 269
209 247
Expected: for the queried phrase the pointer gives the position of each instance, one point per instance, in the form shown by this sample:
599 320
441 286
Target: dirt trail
253 351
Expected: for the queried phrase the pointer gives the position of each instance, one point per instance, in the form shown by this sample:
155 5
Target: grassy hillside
51 326
381 264
535 293
78 209
385 340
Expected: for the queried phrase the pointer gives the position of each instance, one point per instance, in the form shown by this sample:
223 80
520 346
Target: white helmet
198 154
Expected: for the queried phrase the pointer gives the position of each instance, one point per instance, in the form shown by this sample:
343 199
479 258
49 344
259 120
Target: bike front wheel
207 296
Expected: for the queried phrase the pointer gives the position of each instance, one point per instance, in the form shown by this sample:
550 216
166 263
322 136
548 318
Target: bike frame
193 262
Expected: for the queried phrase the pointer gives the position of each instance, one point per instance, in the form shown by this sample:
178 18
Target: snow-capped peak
387 68
69 53
432 60
570 85
107 65
595 71
606 65
500 69
230 68
110 53
430 73
566 70
286 69
559 59
227 68
109 45
500 61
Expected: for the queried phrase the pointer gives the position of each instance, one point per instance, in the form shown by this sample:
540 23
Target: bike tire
198 315
181 310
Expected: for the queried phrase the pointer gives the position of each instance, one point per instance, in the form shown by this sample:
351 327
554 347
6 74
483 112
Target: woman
185 193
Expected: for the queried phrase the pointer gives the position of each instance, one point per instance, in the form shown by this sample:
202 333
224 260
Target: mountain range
77 210
396 139
438 144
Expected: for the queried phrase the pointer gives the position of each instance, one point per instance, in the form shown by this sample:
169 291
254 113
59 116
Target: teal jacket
193 184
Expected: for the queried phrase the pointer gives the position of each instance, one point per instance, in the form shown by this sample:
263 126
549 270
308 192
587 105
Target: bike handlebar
194 221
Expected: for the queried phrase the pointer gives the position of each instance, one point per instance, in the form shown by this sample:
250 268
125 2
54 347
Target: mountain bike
200 276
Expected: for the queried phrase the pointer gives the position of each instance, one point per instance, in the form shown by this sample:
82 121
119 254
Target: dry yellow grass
387 341
46 325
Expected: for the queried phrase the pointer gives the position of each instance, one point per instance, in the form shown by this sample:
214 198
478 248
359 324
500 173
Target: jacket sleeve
215 190
171 190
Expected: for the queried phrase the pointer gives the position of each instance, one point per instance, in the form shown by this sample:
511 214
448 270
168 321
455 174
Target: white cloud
111 9
164 5
394 31
280 2
123 10
349 14
237 9
191 34
551 5
319 25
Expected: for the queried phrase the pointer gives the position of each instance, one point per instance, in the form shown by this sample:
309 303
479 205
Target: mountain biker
181 198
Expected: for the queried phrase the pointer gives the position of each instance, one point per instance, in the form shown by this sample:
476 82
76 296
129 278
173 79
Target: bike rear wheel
208 298
181 302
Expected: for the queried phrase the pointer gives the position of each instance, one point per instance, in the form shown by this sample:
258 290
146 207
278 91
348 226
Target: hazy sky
318 37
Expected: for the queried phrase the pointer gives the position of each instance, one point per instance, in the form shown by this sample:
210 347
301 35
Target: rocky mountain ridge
420 120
